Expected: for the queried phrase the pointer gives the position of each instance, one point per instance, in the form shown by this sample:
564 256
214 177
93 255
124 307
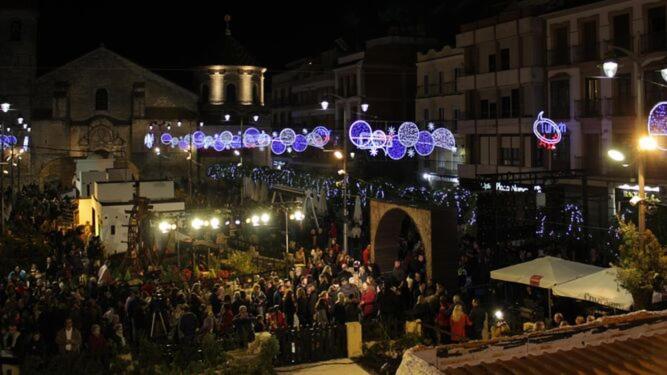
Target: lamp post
346 118
646 143
7 140
296 215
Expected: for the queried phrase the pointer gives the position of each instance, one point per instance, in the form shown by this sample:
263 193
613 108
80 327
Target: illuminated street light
265 218
5 107
197 223
255 118
616 155
255 220
237 153
610 67
215 223
227 116
298 215
364 107
663 73
338 154
341 172
324 104
648 143
498 314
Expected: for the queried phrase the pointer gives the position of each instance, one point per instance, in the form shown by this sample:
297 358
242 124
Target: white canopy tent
544 272
600 287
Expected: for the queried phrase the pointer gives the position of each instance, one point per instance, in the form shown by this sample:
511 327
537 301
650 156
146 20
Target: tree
641 271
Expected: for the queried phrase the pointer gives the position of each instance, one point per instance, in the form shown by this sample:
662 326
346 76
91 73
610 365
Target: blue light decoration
548 133
408 141
657 122
285 141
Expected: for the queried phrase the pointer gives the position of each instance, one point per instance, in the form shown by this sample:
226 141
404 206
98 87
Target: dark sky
172 34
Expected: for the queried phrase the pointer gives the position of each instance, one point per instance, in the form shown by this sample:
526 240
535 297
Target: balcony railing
437 89
620 106
586 52
589 108
559 56
653 42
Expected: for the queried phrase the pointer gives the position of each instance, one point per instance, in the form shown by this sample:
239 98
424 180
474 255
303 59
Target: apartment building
503 83
599 112
440 102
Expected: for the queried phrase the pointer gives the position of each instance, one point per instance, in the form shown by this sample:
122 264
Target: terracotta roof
633 343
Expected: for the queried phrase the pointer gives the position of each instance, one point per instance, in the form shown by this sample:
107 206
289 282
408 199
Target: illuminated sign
513 187
548 133
636 188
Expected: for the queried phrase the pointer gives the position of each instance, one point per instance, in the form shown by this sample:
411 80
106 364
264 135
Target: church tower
18 38
230 83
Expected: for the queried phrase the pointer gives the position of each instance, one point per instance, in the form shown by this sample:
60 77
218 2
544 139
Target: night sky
169 37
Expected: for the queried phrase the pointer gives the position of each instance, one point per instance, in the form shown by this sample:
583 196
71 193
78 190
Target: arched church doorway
397 238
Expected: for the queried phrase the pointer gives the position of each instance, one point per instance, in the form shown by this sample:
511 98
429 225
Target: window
16 31
492 63
113 230
426 114
230 93
493 112
505 107
441 114
621 24
516 103
484 108
440 79
589 38
559 96
504 59
426 84
510 150
101 100
255 94
656 20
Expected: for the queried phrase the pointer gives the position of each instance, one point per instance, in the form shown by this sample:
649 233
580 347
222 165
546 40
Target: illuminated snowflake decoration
409 140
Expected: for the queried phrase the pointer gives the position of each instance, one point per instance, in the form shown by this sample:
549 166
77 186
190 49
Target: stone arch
436 227
60 170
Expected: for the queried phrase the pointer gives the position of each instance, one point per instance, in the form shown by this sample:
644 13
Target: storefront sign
548 133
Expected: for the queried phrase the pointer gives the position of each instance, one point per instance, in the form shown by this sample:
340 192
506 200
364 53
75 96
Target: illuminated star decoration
408 140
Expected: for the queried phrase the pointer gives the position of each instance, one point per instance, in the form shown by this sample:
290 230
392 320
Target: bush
242 262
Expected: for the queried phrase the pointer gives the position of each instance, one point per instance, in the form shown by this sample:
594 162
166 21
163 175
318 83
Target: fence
311 344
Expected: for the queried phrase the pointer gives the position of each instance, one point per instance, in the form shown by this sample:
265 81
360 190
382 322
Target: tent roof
600 287
544 272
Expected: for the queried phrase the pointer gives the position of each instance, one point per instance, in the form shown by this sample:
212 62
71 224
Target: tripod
158 314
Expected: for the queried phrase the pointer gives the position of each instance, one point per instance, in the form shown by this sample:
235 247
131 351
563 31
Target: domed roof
229 51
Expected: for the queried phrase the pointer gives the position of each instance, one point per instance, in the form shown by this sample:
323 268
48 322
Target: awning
544 272
601 287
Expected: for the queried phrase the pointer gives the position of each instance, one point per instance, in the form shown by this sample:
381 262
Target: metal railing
588 108
653 42
586 52
437 89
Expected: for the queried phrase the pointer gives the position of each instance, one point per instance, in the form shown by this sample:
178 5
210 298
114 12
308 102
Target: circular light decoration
444 138
396 150
657 120
198 138
320 136
218 144
183 144
546 131
360 134
408 134
149 140
208 141
287 136
425 144
300 143
379 139
263 140
250 137
165 138
11 140
174 142
277 147
226 137
236 142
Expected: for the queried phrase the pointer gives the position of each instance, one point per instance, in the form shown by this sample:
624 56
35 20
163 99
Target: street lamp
646 143
616 155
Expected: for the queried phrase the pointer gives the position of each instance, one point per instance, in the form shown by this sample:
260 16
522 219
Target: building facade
440 102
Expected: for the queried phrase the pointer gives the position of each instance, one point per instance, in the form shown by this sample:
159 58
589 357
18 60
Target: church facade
104 104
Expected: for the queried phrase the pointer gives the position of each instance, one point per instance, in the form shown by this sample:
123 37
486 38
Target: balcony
653 42
559 56
437 89
620 106
589 108
586 52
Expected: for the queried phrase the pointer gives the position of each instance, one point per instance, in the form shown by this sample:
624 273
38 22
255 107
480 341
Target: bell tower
18 39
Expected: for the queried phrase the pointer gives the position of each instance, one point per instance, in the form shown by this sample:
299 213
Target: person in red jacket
275 319
366 255
442 320
367 303
458 323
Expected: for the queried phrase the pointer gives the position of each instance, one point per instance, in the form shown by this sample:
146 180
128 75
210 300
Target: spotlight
498 314
215 223
265 218
338 154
